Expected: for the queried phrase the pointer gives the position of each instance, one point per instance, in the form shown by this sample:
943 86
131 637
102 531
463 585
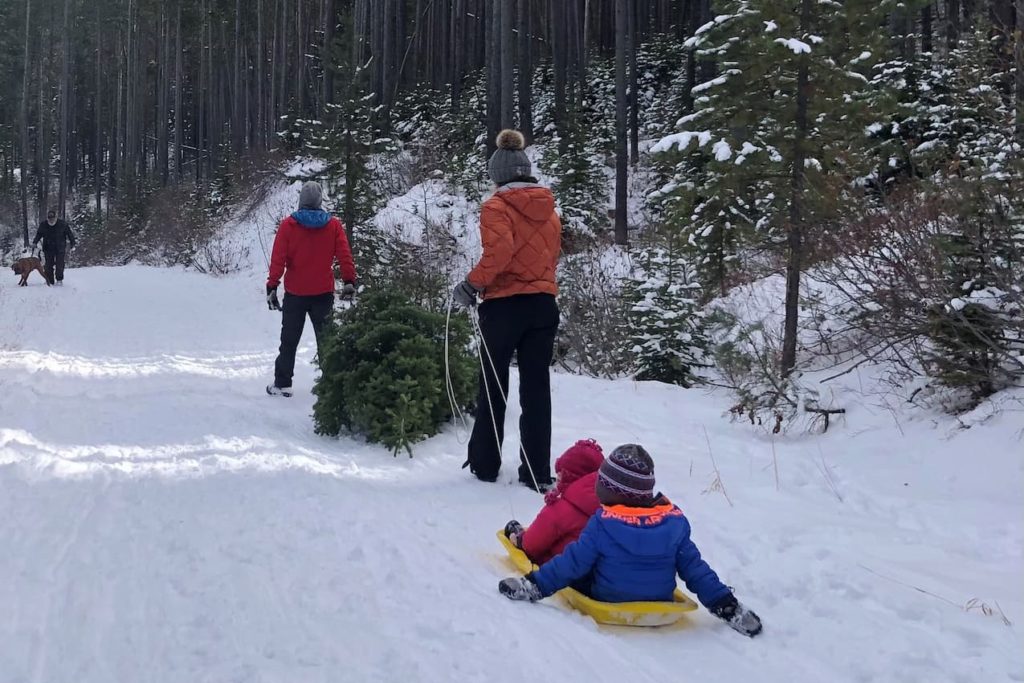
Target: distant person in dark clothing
307 244
55 234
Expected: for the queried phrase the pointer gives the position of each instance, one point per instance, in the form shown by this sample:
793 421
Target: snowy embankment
162 519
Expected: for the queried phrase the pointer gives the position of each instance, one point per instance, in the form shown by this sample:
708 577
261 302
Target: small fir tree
665 321
383 372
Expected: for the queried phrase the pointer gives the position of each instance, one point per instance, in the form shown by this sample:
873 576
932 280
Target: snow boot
274 390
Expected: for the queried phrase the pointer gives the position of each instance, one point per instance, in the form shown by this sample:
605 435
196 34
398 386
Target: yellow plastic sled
611 613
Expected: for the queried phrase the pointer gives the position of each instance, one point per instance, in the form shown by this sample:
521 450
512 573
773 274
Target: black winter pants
524 325
53 264
294 310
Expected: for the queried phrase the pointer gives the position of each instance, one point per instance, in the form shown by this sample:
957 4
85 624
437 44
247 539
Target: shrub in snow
747 356
383 372
932 283
665 322
593 337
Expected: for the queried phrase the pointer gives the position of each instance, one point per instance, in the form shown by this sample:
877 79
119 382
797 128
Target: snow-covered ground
163 520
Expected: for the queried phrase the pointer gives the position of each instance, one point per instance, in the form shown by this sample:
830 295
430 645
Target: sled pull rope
475 317
460 432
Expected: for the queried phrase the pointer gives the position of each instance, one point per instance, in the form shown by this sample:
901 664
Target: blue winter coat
633 554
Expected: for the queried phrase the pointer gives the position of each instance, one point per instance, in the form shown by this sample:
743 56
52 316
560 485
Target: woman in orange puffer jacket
521 235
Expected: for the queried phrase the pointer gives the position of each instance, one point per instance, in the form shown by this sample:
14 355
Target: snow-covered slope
162 519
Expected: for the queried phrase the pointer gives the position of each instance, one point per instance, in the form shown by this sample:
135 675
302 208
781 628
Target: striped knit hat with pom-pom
626 477
509 162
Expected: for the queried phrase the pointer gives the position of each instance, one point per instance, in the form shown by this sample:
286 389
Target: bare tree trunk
1018 55
795 238
114 166
621 158
179 118
65 95
507 46
163 100
42 166
525 72
24 127
926 29
237 125
327 54
952 24
98 115
458 50
556 39
494 79
634 85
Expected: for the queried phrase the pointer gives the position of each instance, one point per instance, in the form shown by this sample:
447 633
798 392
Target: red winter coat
305 248
560 523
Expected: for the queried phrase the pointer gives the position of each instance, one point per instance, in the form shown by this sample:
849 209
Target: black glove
272 301
737 616
519 589
348 292
465 294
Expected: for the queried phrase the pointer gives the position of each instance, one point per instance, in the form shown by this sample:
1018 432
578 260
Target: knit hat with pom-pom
509 162
626 477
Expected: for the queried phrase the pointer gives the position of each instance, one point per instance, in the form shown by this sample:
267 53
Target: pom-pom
511 139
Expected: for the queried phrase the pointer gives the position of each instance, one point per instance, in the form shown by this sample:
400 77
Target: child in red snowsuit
567 507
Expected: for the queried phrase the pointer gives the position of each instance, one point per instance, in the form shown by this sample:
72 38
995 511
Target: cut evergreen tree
383 372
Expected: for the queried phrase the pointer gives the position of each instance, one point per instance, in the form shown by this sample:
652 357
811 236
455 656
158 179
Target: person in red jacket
306 246
567 507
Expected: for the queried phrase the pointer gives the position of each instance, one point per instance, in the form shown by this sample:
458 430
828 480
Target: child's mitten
514 532
737 616
515 588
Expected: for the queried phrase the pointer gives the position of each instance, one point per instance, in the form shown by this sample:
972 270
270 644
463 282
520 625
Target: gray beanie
311 195
626 477
509 162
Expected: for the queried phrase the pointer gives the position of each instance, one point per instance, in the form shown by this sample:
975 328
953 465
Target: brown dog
24 268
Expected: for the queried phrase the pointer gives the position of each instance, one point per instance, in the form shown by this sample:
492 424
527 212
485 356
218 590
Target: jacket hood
535 202
311 218
581 494
644 531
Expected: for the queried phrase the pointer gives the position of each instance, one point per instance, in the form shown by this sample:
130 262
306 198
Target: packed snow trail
163 520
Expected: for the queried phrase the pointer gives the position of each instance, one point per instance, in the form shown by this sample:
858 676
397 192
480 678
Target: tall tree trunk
926 29
97 100
621 158
1018 55
65 96
163 100
634 85
42 165
24 126
114 166
795 237
525 72
179 86
507 64
458 49
493 29
952 24
556 39
327 54
237 101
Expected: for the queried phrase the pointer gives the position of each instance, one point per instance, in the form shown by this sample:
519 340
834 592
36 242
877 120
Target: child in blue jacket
633 548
